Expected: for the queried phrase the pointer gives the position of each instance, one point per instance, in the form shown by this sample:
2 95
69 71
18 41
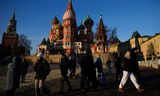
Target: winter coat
42 69
87 66
135 64
9 78
127 64
64 64
24 68
72 63
98 65
13 73
17 71
118 64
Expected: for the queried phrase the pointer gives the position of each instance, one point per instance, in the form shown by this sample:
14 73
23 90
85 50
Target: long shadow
151 82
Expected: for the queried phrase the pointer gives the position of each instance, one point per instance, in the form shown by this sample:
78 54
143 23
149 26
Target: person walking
13 74
42 69
25 66
73 65
99 66
136 71
109 66
88 71
118 67
64 71
128 70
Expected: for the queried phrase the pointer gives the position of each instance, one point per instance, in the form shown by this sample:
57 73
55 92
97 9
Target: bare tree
24 41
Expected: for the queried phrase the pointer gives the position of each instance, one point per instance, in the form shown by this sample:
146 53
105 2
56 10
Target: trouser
125 77
83 80
40 88
94 81
63 79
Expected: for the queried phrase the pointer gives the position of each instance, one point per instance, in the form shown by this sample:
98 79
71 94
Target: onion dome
58 26
81 26
55 20
88 21
69 14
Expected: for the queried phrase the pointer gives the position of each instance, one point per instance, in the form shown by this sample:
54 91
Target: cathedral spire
70 4
101 23
69 14
101 31
12 25
13 16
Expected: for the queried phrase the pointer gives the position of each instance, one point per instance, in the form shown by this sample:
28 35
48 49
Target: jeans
63 79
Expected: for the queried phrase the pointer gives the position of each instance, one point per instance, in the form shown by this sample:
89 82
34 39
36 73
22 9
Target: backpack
46 67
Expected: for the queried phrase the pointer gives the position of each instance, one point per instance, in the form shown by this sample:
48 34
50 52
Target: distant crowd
92 72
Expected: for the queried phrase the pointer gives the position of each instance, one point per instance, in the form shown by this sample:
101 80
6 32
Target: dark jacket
42 69
87 66
98 65
127 64
17 71
118 64
64 65
24 68
135 64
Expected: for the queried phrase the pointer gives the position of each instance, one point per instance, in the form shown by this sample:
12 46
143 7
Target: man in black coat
128 70
64 71
88 70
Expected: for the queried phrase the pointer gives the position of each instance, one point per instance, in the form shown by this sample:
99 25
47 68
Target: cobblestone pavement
150 78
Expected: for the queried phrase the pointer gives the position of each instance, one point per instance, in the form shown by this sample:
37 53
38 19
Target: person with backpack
42 69
64 71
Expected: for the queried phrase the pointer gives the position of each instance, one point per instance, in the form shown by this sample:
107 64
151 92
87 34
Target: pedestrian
84 71
13 74
64 71
73 64
42 69
109 66
99 66
128 70
25 66
118 67
88 71
136 72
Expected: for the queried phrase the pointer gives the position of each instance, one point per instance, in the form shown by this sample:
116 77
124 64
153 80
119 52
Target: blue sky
34 16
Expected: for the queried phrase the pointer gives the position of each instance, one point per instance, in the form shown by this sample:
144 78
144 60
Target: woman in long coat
13 75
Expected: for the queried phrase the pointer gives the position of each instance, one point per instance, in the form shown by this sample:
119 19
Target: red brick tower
69 28
101 37
10 37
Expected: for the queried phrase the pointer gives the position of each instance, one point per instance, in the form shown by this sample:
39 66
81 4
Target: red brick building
72 38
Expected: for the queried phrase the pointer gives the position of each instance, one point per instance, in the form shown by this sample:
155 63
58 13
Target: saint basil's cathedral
72 38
